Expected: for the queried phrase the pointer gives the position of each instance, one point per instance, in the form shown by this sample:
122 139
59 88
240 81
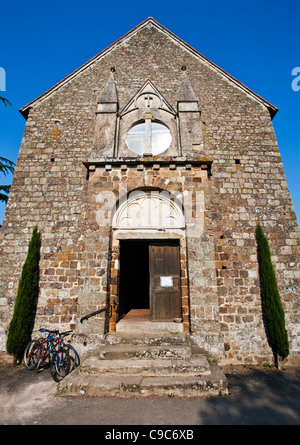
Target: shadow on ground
257 396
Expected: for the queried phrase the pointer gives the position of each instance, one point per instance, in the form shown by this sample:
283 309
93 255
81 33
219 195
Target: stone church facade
147 171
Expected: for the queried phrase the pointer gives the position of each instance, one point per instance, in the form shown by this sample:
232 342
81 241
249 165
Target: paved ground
258 396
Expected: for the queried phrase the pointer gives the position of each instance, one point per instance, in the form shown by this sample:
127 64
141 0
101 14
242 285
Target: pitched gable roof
150 21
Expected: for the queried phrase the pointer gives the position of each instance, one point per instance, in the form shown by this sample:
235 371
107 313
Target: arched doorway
148 239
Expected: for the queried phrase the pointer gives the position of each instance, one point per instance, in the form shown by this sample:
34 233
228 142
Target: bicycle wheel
44 355
74 357
32 354
60 364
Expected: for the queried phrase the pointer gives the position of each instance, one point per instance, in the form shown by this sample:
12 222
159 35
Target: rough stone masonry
151 115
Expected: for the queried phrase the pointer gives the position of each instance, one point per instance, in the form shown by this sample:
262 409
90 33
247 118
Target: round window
148 138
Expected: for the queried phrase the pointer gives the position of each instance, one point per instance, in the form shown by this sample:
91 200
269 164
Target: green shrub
21 322
273 313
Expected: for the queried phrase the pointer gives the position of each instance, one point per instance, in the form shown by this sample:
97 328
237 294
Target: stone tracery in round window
148 138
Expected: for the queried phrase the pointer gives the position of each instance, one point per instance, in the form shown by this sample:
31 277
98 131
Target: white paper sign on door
166 281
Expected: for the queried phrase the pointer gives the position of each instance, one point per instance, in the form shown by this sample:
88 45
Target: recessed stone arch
149 210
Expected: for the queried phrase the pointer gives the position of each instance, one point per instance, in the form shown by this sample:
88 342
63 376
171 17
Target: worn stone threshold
138 321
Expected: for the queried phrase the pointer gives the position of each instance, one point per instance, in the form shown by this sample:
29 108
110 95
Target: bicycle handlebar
55 332
43 330
64 334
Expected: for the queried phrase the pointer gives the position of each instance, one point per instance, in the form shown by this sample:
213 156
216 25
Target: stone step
145 365
179 385
147 339
151 327
193 366
125 351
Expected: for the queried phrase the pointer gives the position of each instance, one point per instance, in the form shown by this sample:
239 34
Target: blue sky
257 42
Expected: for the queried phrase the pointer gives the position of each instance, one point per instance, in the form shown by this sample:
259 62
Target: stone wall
199 290
52 188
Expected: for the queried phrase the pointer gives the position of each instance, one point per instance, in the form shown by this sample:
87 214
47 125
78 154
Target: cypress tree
273 313
21 322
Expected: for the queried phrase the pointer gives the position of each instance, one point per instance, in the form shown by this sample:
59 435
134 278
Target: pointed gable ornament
108 98
187 99
191 132
147 99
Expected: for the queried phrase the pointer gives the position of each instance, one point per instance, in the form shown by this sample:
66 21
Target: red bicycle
49 348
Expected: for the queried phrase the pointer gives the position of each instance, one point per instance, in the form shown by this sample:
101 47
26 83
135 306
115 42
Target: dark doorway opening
134 276
149 287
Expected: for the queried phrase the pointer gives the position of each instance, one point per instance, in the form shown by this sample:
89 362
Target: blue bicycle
50 348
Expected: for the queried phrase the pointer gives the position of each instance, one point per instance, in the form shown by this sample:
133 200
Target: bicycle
50 347
60 364
36 351
74 357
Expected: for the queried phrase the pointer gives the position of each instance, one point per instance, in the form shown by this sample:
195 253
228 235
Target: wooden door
165 294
